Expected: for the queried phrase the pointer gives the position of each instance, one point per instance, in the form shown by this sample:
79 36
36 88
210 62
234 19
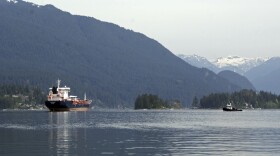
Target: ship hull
60 106
233 109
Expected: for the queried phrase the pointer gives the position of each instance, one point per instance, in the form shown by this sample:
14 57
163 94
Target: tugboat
59 100
230 108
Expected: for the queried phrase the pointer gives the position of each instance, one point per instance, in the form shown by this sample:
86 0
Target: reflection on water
64 135
60 138
187 132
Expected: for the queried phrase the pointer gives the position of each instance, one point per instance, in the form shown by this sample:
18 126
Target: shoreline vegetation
245 99
150 101
13 97
19 97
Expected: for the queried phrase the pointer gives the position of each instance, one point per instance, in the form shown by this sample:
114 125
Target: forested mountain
266 77
237 79
40 44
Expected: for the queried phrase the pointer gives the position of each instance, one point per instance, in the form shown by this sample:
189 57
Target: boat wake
17 126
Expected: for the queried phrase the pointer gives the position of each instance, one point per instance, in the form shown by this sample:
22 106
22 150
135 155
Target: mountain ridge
266 76
243 64
263 73
234 63
199 61
237 79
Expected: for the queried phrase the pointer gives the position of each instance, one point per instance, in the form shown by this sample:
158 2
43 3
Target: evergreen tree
17 96
195 102
149 101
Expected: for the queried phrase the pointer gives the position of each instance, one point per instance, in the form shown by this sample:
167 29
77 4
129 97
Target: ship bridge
59 93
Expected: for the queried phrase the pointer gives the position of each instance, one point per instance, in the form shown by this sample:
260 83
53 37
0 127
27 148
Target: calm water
185 132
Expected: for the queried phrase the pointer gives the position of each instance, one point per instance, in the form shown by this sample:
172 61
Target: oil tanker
60 100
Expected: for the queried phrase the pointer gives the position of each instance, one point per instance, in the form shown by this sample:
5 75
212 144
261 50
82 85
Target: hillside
266 76
237 79
40 44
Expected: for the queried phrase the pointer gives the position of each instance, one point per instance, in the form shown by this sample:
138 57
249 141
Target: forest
150 101
21 97
242 99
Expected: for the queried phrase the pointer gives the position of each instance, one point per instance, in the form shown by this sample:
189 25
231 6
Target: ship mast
85 96
58 83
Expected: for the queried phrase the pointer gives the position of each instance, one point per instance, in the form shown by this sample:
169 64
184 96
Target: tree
149 101
195 102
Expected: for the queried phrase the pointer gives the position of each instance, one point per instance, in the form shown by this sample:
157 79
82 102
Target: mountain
262 73
266 77
237 79
113 65
198 61
238 64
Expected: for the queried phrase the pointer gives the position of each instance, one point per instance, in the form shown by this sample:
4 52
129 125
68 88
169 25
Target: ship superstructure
60 100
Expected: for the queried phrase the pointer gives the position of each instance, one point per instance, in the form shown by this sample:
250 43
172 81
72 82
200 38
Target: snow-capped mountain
263 73
198 61
20 2
234 63
238 64
12 1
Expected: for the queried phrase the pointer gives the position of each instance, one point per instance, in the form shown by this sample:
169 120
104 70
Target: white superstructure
229 106
60 93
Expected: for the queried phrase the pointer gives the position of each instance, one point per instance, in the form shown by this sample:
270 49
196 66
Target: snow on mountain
242 64
20 2
234 63
194 59
198 61
12 1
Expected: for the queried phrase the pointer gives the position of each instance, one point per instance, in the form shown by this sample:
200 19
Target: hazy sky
209 28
